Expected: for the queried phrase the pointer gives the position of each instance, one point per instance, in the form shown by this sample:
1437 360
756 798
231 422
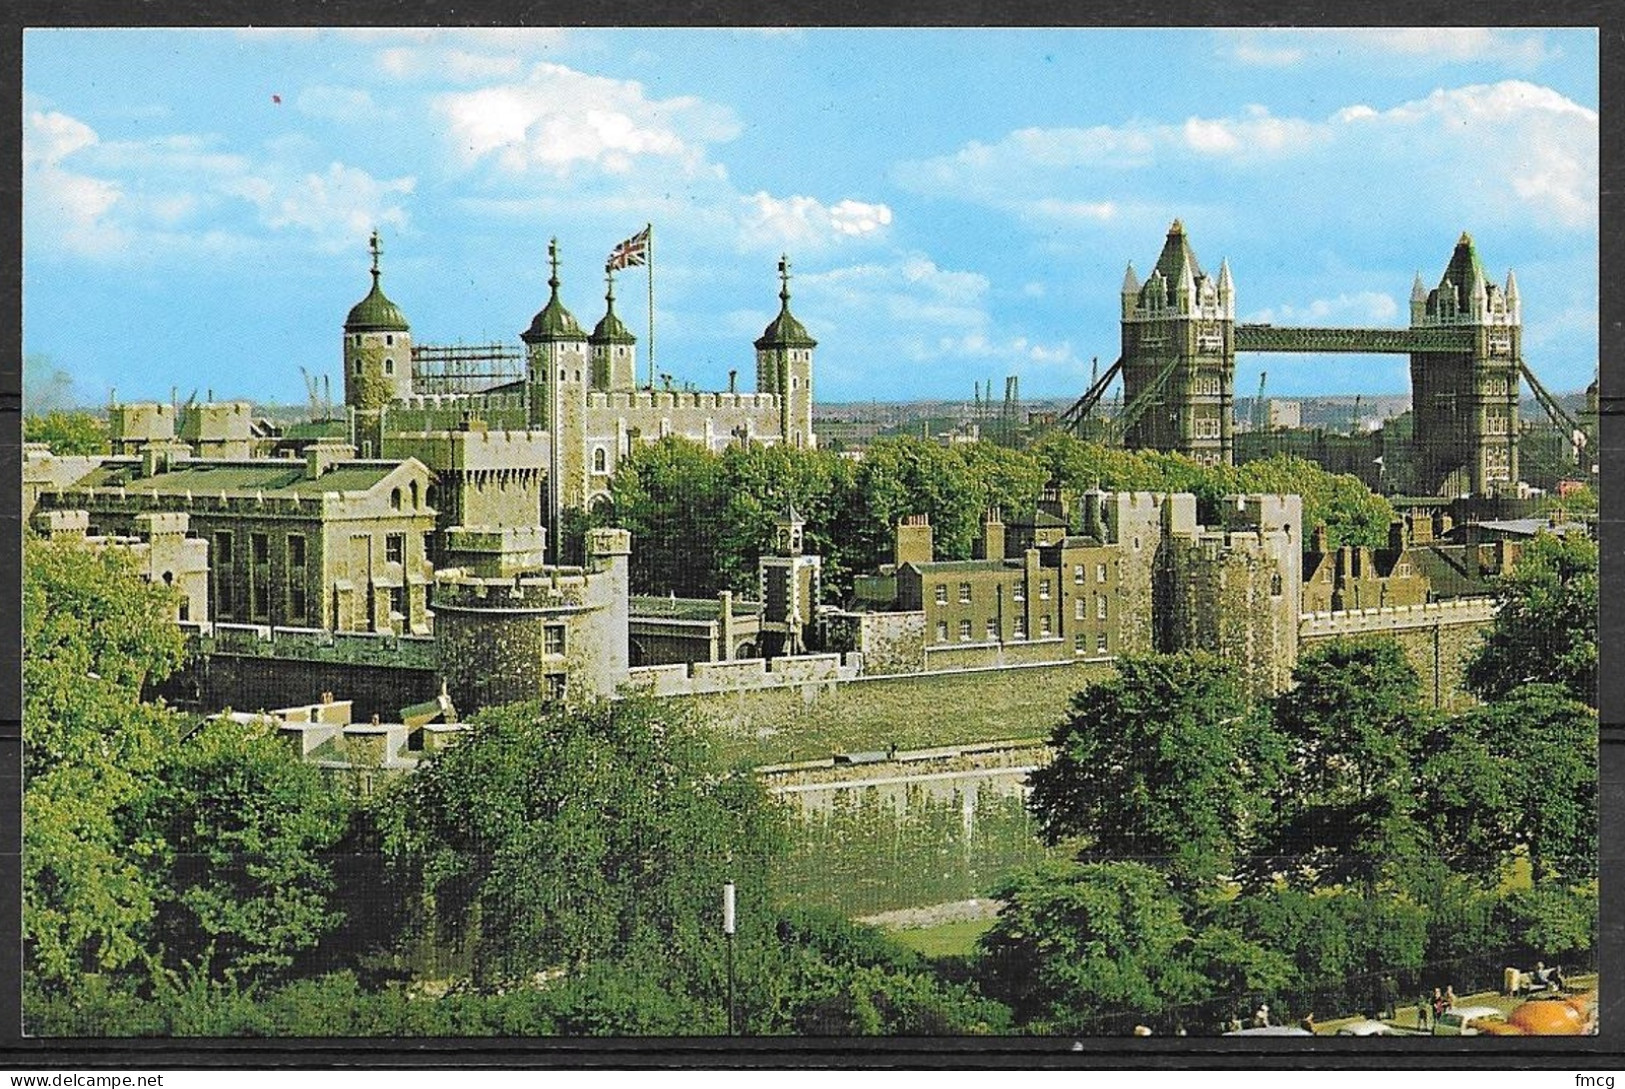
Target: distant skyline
957 205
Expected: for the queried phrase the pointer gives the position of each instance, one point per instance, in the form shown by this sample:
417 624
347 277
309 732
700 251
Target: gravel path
959 911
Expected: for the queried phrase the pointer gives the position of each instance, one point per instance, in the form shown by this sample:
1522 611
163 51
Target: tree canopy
1546 628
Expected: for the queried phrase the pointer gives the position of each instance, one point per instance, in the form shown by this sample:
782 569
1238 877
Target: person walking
1424 1013
1450 997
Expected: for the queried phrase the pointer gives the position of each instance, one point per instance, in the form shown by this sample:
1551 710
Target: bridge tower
1465 403
1179 356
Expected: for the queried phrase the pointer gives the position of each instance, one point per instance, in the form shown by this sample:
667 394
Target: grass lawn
944 939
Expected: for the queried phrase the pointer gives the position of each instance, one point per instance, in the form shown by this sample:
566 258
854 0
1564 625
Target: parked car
1272 1030
1366 1028
1466 1020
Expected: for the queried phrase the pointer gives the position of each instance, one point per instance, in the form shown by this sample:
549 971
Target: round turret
553 322
377 347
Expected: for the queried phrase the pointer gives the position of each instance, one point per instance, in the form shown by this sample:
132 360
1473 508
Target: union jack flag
634 251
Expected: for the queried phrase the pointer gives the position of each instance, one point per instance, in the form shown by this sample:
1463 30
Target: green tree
244 826
1165 763
1080 948
1347 808
68 432
93 634
550 838
1517 775
1545 630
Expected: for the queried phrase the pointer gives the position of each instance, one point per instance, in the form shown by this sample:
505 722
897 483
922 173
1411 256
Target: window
1043 589
1018 592
397 601
942 631
395 548
412 490
389 366
389 340
257 599
1077 609
1046 626
296 552
1077 572
224 605
1101 642
259 545
942 593
992 630
556 685
394 499
600 461
964 593
297 603
1021 627
1275 585
358 364
964 631
1100 572
1080 643
553 639
222 548
1101 607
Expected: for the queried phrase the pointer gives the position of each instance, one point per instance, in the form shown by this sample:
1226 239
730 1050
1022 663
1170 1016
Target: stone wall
1438 639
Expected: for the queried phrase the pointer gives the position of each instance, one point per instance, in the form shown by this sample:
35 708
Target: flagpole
650 228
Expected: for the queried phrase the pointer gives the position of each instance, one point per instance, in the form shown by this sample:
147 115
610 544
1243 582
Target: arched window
358 364
389 366
395 499
600 460
413 491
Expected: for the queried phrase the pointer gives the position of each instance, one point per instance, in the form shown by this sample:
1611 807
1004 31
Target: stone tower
788 581
1179 344
556 376
1465 404
784 363
377 359
612 348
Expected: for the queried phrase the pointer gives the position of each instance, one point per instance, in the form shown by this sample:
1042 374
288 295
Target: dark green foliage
68 432
1079 948
1347 809
1546 629
551 838
1161 764
243 875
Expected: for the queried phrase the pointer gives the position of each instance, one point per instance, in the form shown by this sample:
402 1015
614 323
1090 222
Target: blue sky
958 205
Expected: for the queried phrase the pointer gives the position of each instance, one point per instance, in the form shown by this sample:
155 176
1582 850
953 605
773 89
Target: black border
1194 1053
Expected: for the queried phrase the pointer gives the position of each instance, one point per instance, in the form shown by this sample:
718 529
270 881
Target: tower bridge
1180 338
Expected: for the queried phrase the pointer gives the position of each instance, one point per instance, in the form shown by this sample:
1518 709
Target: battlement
1261 511
555 590
316 644
474 448
662 400
1461 611
217 421
162 524
743 674
454 402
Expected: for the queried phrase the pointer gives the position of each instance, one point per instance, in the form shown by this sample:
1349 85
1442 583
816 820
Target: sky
957 205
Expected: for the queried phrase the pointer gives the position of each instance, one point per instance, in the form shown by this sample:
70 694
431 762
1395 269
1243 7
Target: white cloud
803 221
559 120
178 194
333 208
1358 308
1533 153
1291 47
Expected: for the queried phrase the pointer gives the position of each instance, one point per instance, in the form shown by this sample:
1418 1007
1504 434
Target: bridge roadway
1285 338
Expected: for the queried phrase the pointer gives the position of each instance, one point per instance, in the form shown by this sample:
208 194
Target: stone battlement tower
1179 355
1465 403
784 363
377 359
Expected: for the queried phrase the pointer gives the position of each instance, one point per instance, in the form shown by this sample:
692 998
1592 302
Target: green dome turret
553 322
785 331
375 313
610 329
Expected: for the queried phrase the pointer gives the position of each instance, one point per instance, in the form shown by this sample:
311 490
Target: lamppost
728 932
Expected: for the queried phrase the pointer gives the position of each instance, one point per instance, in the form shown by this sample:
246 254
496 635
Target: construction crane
1260 415
312 391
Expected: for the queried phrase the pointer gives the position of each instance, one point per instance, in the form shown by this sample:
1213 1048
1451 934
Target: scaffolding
465 368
